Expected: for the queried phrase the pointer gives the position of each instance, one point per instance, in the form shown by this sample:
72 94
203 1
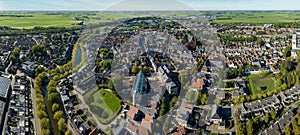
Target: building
295 45
140 87
183 113
5 91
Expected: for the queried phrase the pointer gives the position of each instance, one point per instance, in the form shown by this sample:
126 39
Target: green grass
103 101
39 20
257 17
259 83
110 99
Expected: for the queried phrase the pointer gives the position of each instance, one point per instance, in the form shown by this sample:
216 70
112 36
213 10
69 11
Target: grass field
257 17
104 104
259 83
42 19
28 20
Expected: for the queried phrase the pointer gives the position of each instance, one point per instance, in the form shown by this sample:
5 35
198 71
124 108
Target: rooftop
4 84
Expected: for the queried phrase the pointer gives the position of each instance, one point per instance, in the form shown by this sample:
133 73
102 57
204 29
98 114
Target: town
151 75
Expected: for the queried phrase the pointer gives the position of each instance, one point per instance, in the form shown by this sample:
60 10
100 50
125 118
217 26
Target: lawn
257 17
104 104
260 84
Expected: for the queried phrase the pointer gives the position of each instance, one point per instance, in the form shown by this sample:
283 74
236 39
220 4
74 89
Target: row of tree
256 124
37 30
293 128
52 97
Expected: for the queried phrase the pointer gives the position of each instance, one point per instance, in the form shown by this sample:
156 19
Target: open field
30 20
260 84
257 17
104 104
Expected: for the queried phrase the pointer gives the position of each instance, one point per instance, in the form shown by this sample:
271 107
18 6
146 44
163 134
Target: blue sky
149 4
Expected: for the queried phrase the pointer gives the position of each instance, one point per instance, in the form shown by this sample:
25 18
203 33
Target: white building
295 46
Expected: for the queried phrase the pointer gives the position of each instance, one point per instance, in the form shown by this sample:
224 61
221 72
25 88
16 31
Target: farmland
257 17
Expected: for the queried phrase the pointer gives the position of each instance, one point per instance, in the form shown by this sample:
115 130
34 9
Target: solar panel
4 84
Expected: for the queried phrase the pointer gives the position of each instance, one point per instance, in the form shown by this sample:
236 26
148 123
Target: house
183 113
29 67
178 130
216 116
172 88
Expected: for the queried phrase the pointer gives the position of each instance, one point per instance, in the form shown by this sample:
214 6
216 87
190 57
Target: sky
149 4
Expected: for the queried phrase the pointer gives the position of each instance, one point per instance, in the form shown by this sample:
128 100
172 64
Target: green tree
38 50
41 114
287 51
39 70
249 127
53 97
45 131
273 114
58 115
55 107
44 122
135 69
68 132
61 124
267 118
166 125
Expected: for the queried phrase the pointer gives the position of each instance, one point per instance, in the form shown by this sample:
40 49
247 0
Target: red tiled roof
131 127
146 124
132 112
148 118
198 84
143 131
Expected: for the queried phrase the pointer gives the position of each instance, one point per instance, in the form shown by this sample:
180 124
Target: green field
41 19
260 83
257 17
104 104
28 20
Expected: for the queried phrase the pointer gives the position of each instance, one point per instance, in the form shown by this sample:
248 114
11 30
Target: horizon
144 5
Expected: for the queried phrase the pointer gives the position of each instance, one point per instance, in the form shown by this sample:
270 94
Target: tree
267 118
61 124
38 50
111 85
44 122
55 107
249 127
39 70
68 132
45 131
53 97
41 114
167 124
173 101
240 128
287 51
273 114
58 115
135 69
